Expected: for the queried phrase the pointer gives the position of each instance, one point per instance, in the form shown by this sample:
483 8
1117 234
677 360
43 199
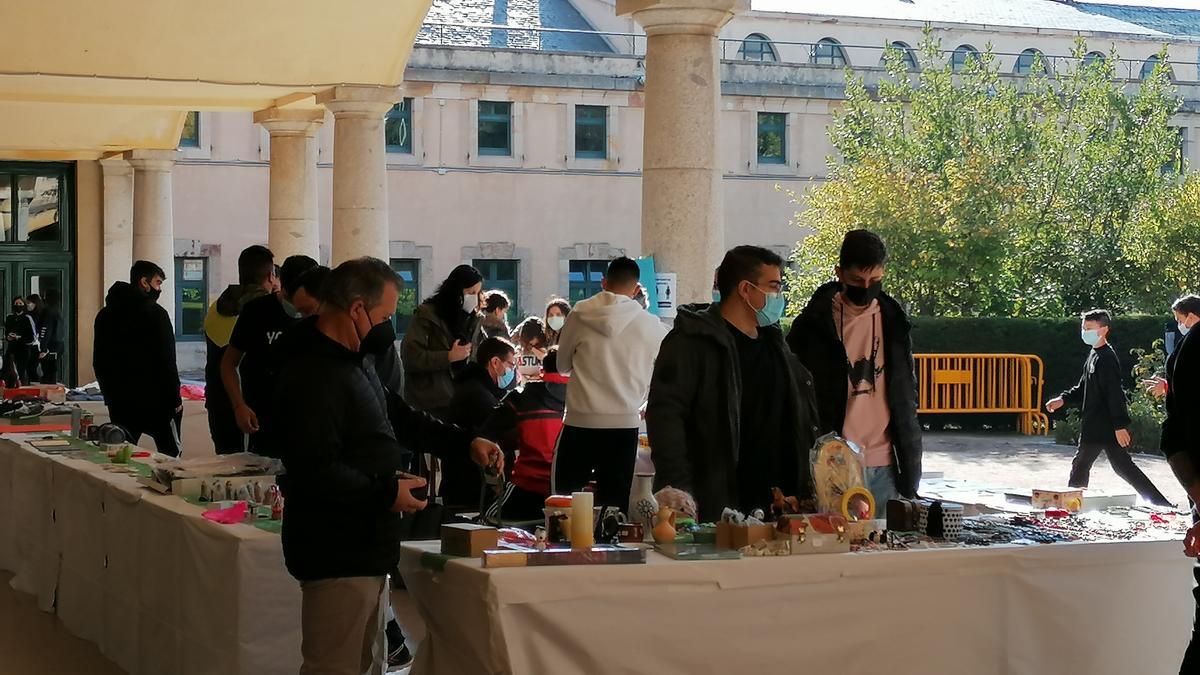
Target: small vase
642 504
664 531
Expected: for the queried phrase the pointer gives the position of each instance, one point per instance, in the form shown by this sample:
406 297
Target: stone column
293 227
360 205
683 223
118 220
153 221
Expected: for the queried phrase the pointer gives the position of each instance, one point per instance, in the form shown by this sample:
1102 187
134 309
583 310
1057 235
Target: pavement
1031 462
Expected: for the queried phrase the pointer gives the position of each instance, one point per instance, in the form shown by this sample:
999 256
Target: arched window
906 54
962 55
829 52
1029 60
757 47
1095 57
1152 63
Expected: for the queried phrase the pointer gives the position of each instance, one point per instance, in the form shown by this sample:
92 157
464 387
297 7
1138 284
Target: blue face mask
507 378
1183 329
1090 338
716 296
772 310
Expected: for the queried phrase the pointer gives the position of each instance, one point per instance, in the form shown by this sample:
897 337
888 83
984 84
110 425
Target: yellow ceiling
81 78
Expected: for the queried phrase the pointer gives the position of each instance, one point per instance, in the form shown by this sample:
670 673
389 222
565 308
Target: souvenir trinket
837 466
205 494
781 505
664 529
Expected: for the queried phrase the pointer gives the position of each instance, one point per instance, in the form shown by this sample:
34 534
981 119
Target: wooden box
467 540
730 536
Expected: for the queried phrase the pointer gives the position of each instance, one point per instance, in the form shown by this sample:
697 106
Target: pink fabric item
191 392
230 516
867 414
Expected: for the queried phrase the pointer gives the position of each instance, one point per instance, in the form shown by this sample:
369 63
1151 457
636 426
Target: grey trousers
341 626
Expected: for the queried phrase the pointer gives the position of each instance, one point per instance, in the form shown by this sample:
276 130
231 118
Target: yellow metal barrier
984 383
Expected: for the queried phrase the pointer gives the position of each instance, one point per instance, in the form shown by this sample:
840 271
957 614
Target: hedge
1056 341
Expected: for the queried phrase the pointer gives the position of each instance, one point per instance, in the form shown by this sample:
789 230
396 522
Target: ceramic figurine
732 516
258 492
230 491
782 506
539 536
664 530
243 494
218 491
642 504
205 495
677 499
758 514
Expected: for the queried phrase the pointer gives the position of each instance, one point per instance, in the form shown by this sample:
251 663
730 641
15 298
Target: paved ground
1029 462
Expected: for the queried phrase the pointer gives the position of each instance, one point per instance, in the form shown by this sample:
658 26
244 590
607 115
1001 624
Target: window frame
400 266
9 239
405 115
186 142
910 56
961 55
494 118
179 285
763 50
591 268
836 53
762 128
487 268
601 121
1150 64
1026 68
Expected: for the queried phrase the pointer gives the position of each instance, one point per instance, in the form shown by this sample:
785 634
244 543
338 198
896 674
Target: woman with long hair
556 317
443 335
20 340
530 339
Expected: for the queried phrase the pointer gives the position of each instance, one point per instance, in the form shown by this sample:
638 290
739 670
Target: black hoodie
815 341
134 355
476 394
694 412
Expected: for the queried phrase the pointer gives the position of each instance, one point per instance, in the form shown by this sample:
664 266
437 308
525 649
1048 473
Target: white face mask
470 303
556 322
1183 329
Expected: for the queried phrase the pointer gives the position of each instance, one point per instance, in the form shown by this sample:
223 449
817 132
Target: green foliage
1146 411
1067 429
1036 196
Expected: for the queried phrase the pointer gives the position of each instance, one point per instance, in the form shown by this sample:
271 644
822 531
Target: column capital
359 100
151 160
682 17
290 122
116 166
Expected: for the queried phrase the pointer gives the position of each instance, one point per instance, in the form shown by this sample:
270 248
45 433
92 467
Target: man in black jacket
855 340
344 490
1104 412
731 413
134 359
478 388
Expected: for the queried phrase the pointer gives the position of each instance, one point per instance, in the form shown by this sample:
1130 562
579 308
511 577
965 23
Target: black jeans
227 436
50 368
1191 657
164 430
1122 464
609 454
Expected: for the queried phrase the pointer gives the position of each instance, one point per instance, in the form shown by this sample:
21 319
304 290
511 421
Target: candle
582 534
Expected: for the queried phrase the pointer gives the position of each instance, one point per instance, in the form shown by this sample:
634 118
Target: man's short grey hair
359 279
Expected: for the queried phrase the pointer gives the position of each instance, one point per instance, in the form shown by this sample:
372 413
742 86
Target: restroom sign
666 286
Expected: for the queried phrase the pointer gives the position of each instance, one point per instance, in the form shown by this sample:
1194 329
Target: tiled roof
559 14
1185 22
1015 13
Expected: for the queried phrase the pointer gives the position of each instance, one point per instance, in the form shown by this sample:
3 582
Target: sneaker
399 658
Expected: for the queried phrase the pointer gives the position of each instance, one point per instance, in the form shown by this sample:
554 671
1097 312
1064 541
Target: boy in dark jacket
134 359
478 388
344 493
1104 412
527 423
731 412
854 338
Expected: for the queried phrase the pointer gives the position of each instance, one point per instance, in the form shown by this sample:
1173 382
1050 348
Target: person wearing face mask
855 339
530 339
134 359
732 412
245 366
1181 437
1104 412
478 388
345 445
556 317
20 344
444 333
608 346
495 314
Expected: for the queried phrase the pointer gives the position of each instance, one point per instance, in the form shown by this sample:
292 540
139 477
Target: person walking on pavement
1104 411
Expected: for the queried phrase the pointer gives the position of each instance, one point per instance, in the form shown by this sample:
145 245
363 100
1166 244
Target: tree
999 195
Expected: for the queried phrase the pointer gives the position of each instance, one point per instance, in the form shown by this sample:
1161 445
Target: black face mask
18 309
862 296
379 339
154 294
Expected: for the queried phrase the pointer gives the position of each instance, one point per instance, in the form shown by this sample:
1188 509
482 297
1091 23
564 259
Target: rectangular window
190 138
501 275
397 128
583 279
191 298
495 128
410 296
591 132
772 138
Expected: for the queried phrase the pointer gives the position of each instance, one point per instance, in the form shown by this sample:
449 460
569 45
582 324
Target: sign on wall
666 285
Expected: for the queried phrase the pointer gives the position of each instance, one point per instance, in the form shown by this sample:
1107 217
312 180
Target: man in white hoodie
608 346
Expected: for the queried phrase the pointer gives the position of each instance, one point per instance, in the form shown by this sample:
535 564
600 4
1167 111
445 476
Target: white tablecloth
160 589
1072 608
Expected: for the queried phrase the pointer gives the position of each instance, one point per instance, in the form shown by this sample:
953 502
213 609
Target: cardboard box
1070 499
467 540
730 536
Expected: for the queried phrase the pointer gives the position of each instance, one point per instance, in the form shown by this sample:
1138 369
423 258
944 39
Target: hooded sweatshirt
134 354
608 347
218 327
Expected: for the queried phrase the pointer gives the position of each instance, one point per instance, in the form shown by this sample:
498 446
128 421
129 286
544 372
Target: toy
664 529
781 506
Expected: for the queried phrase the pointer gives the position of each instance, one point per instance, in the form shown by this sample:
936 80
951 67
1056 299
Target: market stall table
144 576
1096 608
